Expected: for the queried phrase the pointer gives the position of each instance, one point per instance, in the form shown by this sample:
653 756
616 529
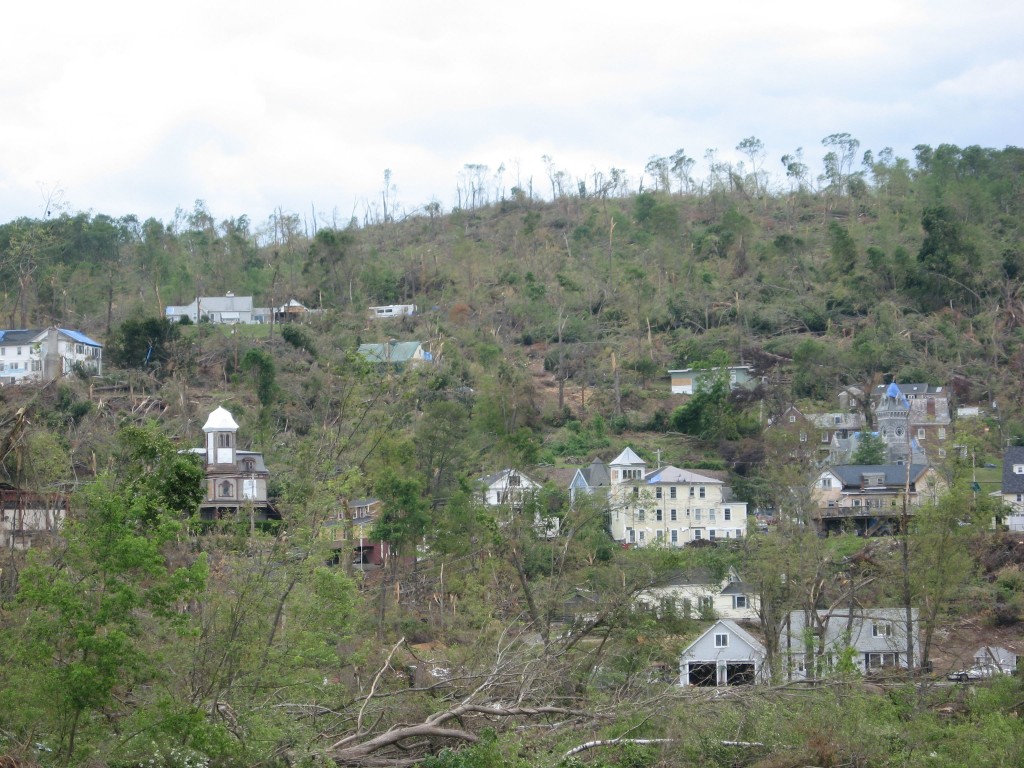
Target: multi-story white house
669 506
46 354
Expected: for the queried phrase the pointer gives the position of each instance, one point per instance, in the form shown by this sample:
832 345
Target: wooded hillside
552 323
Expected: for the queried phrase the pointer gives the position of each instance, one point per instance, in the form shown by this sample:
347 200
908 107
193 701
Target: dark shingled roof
1013 483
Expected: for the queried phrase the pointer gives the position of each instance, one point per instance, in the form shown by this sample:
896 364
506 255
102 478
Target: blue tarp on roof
80 337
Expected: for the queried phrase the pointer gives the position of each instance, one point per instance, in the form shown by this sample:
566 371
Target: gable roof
728 624
497 477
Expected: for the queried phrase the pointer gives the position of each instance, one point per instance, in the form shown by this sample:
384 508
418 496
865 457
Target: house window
227 489
711 534
803 437
643 536
640 514
837 419
696 514
942 433
739 601
249 465
825 437
921 433
881 629
1018 469
721 640
826 483
727 514
631 535
702 493
224 439
514 481
696 534
672 492
705 604
792 419
657 493
636 491
672 515
691 487
657 516
880 660
711 514
660 535
675 536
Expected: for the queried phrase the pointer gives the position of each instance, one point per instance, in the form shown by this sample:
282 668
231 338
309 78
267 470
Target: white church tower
221 439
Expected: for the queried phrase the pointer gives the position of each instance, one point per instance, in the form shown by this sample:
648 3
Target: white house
225 310
669 506
46 354
513 490
870 639
726 654
698 593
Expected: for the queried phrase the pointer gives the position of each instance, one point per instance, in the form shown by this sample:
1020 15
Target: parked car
976 672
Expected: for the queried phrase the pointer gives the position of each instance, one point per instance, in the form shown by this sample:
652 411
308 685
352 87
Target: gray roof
909 389
672 474
692 576
225 303
30 335
596 474
1013 483
895 474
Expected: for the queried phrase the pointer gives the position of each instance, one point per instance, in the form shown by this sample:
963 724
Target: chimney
52 367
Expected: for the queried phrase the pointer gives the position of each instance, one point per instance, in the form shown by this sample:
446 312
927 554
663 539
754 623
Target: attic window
514 481
792 419
881 629
721 640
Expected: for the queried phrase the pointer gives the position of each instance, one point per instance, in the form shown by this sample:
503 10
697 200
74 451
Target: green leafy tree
144 343
870 449
74 641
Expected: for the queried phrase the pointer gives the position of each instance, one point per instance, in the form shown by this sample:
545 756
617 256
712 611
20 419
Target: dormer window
1018 469
249 465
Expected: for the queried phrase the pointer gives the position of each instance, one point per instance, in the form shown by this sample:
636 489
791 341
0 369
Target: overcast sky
141 108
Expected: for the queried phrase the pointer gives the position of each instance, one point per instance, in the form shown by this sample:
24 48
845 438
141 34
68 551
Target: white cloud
139 108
